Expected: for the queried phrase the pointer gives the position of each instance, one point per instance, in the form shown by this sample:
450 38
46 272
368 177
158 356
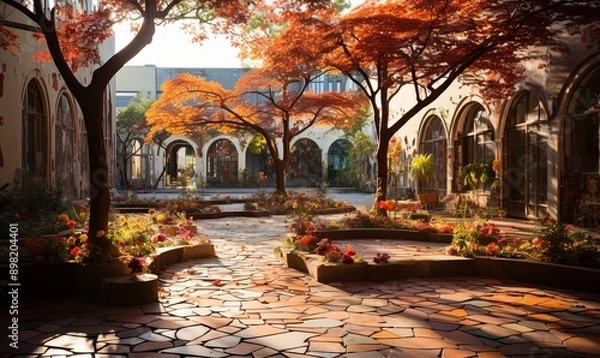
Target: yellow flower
332 223
83 238
63 218
295 205
122 219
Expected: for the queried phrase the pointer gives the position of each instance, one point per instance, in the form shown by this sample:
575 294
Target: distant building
224 159
41 128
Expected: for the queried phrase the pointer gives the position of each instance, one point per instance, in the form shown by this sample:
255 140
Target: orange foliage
8 40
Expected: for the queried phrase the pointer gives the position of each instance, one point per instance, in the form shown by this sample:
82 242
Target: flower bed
553 275
42 280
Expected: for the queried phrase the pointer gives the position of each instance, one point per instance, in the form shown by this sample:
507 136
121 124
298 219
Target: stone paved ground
246 304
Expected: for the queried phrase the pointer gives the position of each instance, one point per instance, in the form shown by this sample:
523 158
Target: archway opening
305 165
338 164
181 164
222 164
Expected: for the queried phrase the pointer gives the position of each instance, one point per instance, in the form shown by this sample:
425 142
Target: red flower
75 252
347 259
71 224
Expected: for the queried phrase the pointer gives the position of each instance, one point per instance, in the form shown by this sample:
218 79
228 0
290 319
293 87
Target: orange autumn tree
427 45
277 107
73 40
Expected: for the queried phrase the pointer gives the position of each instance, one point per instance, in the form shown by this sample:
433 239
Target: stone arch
337 162
222 163
305 165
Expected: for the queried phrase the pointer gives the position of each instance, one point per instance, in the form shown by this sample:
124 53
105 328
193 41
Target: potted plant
420 168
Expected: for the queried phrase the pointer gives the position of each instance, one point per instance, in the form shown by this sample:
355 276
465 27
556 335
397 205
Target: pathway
246 304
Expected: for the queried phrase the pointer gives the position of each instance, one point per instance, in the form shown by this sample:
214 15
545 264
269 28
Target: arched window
306 160
222 161
525 169
337 162
35 132
434 142
478 137
581 129
65 148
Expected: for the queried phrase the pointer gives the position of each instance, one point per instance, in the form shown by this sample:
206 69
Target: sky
172 47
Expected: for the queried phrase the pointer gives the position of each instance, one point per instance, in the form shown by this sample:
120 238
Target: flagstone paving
244 303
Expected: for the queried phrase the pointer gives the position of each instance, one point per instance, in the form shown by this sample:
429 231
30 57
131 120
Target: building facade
540 145
41 127
218 159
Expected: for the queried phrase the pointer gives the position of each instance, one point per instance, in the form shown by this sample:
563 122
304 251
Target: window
35 132
65 147
434 142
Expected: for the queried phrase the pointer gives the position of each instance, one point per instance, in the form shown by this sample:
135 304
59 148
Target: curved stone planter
88 281
553 275
381 234
130 290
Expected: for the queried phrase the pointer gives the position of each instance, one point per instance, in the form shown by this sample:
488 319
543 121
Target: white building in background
224 159
41 127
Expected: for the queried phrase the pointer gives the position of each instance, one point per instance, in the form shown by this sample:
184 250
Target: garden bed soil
554 275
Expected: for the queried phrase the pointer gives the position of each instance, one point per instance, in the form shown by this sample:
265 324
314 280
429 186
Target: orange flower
536 242
491 248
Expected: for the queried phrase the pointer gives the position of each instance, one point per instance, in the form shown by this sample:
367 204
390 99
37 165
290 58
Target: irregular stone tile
114 349
191 333
365 355
318 323
358 339
456 353
356 348
584 345
492 332
243 349
74 344
420 343
212 322
374 302
360 308
195 351
329 347
264 352
223 342
283 341
152 346
491 319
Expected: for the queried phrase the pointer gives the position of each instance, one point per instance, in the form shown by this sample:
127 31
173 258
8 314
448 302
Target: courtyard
246 303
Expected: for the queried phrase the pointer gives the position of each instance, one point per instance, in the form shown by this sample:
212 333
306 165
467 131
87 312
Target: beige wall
18 70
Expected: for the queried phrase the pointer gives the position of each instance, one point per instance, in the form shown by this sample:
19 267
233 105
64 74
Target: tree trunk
382 171
279 176
93 116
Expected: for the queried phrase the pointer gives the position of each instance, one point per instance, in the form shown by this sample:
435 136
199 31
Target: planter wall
553 275
88 281
384 234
